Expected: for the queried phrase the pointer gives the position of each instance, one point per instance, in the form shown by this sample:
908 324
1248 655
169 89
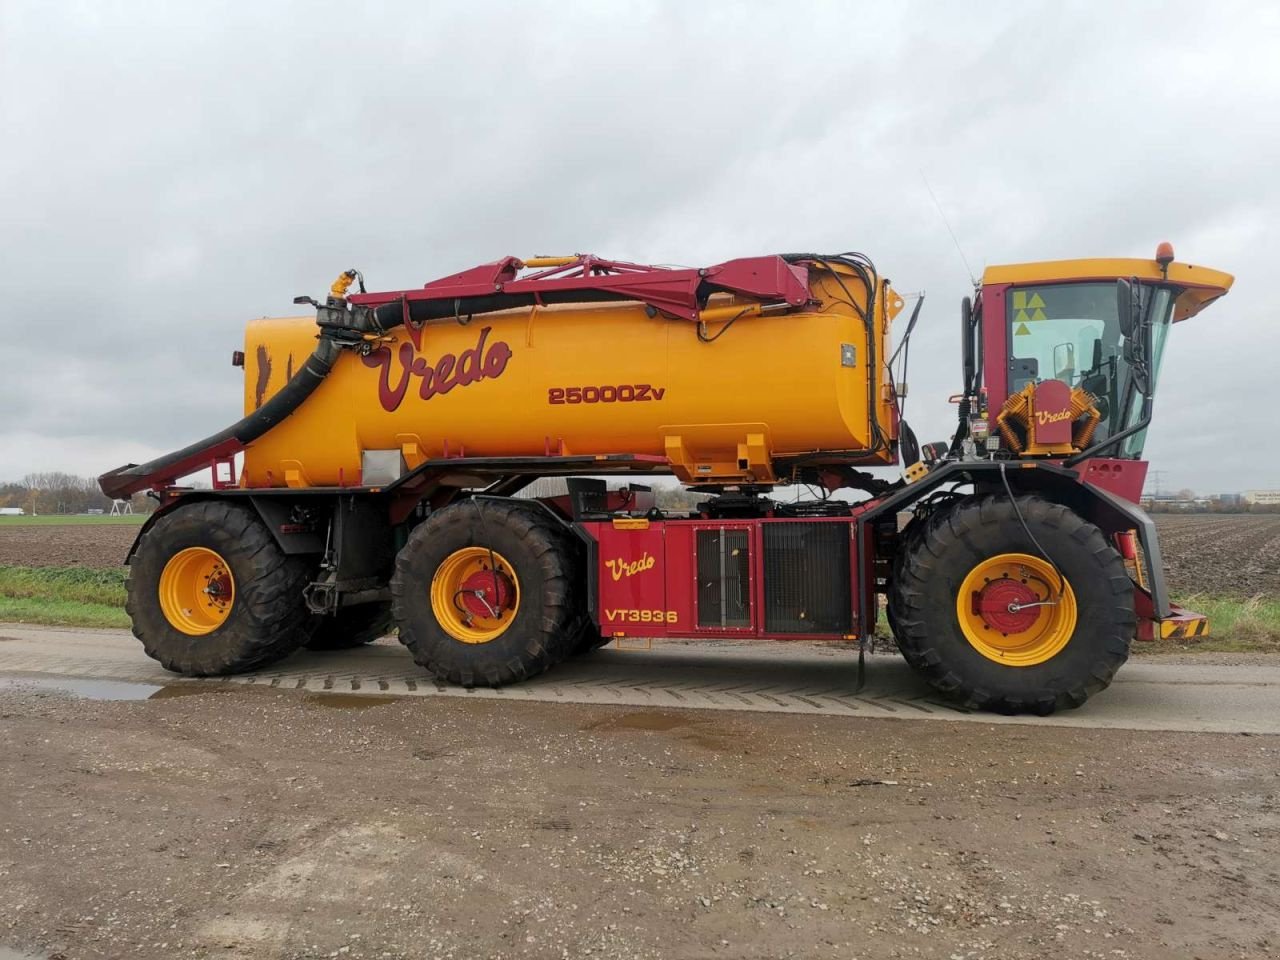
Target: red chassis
785 575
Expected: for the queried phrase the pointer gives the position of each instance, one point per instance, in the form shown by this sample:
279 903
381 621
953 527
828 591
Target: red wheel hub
992 604
481 596
219 587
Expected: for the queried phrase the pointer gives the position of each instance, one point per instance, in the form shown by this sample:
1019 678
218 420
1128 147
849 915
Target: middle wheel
483 593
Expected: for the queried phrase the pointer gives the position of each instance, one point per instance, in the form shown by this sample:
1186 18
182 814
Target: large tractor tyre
983 616
352 627
909 538
583 629
210 593
484 594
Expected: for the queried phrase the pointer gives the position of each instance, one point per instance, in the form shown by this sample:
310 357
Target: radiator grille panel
724 579
807 583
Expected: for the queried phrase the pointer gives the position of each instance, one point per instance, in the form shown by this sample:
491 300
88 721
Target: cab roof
1201 285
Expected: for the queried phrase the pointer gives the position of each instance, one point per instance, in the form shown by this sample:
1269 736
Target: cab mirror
1124 307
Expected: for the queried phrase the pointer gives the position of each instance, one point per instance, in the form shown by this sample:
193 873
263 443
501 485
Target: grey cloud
171 171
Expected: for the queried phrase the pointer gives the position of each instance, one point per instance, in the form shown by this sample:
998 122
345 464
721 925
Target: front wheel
990 621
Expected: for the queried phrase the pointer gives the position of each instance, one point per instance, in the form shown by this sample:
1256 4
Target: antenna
947 224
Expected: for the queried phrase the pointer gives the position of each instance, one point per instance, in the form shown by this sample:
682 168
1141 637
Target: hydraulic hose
390 315
132 478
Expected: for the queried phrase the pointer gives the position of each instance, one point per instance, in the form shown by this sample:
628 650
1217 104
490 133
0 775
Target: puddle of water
692 727
348 701
87 689
77 687
171 690
644 720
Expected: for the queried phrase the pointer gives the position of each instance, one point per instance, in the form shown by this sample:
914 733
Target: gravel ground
243 823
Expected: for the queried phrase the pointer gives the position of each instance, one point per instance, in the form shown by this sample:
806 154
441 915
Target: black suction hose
125 481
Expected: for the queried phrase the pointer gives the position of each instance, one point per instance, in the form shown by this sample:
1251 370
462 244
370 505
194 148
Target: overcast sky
168 171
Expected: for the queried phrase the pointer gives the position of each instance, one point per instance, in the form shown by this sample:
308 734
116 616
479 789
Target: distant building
12 512
1262 497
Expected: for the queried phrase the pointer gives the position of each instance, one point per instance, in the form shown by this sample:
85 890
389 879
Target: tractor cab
1061 358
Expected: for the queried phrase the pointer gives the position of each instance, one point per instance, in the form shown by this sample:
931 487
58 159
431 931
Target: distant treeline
65 493
1214 506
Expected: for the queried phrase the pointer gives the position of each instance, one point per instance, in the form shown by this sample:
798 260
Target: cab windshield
1071 332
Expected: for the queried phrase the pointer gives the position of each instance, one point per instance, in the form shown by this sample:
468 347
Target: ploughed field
1221 555
72 544
1227 555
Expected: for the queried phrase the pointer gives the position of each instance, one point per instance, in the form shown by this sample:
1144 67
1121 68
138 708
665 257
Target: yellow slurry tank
738 395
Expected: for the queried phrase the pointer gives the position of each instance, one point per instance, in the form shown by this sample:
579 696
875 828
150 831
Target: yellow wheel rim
1010 611
197 591
471 600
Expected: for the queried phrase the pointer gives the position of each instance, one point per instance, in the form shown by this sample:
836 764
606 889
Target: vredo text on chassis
382 459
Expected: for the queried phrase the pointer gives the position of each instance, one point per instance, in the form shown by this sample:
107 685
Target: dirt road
256 823
1223 694
225 820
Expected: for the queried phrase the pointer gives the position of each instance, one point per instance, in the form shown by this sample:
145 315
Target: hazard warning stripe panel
1180 629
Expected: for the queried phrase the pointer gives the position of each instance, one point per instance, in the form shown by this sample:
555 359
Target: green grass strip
74 520
70 596
1235 626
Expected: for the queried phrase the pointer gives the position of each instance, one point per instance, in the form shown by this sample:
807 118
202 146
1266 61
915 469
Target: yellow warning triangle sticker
1022 330
1022 317
1035 301
1039 314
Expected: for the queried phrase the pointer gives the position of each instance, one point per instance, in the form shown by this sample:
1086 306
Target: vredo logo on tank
485 361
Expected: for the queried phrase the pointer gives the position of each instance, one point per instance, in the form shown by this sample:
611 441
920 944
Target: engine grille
807 582
724 579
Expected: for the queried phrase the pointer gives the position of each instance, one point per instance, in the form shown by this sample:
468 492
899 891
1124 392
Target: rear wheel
483 593
986 619
352 627
210 593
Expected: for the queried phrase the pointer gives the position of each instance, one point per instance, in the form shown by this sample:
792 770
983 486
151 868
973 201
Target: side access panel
632 579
